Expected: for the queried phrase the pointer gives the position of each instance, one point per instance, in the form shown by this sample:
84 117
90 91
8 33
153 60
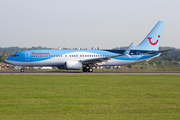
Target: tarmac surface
95 72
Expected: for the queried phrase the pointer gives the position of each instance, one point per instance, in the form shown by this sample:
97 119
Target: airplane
87 59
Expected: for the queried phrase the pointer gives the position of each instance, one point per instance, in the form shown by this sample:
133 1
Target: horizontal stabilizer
160 51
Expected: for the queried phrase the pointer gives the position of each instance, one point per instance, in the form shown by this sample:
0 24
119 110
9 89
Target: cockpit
15 56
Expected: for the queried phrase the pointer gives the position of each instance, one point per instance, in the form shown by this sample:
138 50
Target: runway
89 73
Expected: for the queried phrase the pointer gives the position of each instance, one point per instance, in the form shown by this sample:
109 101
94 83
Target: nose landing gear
22 69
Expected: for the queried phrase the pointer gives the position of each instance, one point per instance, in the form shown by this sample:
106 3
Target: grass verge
90 97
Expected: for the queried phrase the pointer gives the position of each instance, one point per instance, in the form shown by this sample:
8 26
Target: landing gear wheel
90 70
85 69
22 69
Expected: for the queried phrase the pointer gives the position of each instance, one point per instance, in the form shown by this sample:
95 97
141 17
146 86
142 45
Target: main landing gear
89 69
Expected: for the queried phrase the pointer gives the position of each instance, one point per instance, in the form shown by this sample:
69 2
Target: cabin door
138 54
27 56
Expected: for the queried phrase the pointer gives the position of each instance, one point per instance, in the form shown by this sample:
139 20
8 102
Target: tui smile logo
152 42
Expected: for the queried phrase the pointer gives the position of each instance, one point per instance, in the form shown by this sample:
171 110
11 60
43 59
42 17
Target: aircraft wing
95 60
105 59
160 51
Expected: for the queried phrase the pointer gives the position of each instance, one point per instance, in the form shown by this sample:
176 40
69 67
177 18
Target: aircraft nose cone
6 61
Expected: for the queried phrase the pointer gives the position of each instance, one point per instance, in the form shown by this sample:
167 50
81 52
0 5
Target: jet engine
73 65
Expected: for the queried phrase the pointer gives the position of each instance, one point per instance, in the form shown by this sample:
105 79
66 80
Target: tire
22 70
85 69
90 70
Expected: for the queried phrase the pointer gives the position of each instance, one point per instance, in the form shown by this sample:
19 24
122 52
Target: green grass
47 97
1 63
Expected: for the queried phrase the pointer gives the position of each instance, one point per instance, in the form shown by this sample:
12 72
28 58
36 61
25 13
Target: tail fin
152 40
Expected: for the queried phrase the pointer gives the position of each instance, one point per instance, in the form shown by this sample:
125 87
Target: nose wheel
22 69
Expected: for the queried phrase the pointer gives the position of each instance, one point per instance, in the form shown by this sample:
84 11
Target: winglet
128 49
94 48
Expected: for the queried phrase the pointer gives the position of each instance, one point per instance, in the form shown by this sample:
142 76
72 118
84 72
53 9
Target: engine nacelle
73 65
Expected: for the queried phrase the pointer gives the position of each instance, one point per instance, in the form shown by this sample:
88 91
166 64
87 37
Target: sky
86 23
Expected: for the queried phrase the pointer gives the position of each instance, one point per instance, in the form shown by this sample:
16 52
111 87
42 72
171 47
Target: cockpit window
15 56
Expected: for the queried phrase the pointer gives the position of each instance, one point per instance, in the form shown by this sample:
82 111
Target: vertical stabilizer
152 40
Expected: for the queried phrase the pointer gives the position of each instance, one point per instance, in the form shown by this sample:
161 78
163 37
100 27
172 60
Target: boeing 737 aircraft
86 59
